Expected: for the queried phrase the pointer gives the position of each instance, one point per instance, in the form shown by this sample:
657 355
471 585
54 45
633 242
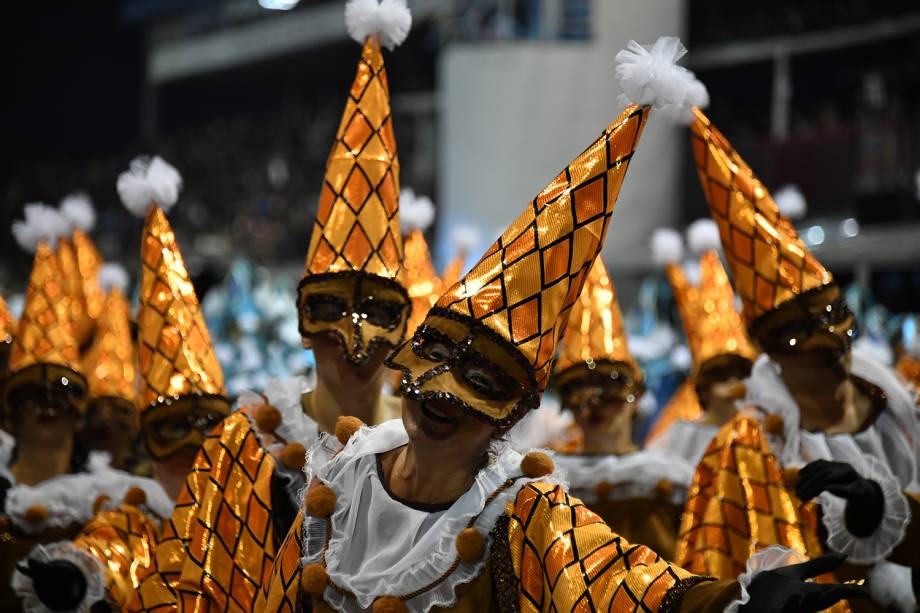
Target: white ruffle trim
890 532
7 442
688 439
890 587
92 570
422 556
69 499
634 475
768 558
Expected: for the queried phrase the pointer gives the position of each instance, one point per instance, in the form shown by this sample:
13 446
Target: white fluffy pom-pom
464 238
703 235
42 223
415 212
667 246
652 76
113 276
149 181
389 20
791 202
78 209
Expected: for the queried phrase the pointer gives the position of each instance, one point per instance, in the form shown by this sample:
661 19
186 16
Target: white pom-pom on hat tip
113 276
791 202
415 212
667 246
703 235
78 209
149 180
652 77
388 20
42 223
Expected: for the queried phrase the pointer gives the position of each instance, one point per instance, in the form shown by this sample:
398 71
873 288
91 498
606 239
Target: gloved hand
865 501
59 584
785 589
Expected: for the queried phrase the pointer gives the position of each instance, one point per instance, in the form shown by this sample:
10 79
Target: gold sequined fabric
82 324
684 405
110 365
175 353
596 331
124 541
217 548
89 261
7 323
421 281
524 287
281 592
770 263
713 326
357 223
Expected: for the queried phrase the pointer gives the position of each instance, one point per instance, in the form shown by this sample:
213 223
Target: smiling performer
433 512
816 404
639 493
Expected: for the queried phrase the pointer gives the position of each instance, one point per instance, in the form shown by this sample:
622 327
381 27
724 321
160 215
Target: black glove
59 584
865 501
785 589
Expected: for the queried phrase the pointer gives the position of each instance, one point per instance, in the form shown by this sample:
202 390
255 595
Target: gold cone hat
110 365
422 283
7 323
525 285
357 222
770 263
596 333
89 261
44 349
714 328
72 280
451 273
684 405
175 353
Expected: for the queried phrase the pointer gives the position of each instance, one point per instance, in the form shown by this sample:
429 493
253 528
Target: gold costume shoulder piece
282 591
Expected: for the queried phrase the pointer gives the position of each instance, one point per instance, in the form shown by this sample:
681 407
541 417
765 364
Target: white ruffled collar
414 548
69 499
633 475
688 439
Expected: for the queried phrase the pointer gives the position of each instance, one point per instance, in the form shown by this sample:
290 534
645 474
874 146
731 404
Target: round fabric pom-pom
389 604
738 391
790 477
36 514
294 456
313 579
345 426
135 496
602 490
537 464
774 424
663 489
470 545
99 502
320 501
268 418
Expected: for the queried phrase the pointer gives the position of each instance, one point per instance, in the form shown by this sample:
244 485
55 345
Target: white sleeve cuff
768 558
890 532
91 568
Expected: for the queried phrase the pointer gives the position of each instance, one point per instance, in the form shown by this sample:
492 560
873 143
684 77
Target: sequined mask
181 423
455 358
599 383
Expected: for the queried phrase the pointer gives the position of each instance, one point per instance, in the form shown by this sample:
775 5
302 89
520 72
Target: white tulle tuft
652 76
464 238
42 223
78 209
149 181
415 212
703 235
389 20
113 276
791 202
667 246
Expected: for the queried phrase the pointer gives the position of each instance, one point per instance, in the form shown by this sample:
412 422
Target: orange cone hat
7 323
78 210
110 364
83 324
422 282
770 264
596 334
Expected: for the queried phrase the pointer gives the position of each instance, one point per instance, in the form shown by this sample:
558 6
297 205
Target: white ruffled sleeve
890 532
768 558
89 566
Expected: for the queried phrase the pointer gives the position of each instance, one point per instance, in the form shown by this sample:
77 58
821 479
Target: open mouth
438 414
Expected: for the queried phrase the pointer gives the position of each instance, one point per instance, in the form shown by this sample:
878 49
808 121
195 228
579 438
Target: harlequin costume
744 491
7 330
515 540
719 349
639 494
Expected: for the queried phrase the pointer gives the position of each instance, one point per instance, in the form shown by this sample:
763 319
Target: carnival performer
7 330
432 512
812 403
353 310
640 494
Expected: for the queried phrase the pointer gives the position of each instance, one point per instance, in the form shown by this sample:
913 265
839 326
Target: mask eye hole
433 345
835 313
172 428
382 313
488 380
323 307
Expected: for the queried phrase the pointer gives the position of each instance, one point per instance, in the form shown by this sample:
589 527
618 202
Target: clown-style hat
7 323
83 324
110 363
595 345
770 264
421 281
713 326
78 210
175 354
518 297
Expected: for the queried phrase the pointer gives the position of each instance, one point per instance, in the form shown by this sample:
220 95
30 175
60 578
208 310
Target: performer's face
603 401
180 425
111 427
721 380
44 415
335 369
360 312
452 361
445 428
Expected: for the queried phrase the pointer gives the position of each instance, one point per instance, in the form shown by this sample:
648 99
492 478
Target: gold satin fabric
422 282
89 261
82 325
7 323
110 364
